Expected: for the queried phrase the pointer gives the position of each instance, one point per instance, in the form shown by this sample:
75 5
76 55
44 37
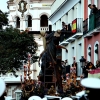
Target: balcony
71 39
74 31
44 29
64 43
91 25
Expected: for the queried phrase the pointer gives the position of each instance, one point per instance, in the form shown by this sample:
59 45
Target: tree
14 48
3 19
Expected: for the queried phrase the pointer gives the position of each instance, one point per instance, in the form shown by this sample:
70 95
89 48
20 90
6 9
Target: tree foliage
14 48
3 19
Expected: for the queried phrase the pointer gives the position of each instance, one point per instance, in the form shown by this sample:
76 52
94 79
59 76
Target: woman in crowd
89 67
97 64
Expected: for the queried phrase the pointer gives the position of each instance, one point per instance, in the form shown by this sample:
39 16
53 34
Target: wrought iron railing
79 25
85 26
75 27
93 22
97 19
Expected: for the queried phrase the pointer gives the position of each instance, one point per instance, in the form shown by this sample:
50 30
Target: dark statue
51 58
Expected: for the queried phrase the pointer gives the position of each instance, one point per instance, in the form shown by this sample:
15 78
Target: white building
72 13
35 18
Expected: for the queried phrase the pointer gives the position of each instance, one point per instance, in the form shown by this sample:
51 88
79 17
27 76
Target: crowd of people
90 66
67 69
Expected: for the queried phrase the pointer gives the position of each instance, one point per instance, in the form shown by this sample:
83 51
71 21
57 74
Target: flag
74 26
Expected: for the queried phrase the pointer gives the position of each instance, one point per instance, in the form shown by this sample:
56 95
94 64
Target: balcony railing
44 28
93 22
85 26
97 19
77 25
75 28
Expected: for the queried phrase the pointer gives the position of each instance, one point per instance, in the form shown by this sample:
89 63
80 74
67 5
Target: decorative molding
40 8
35 18
22 7
12 21
11 11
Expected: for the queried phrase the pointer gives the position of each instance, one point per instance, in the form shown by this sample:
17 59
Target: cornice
58 9
12 11
40 8
62 10
35 18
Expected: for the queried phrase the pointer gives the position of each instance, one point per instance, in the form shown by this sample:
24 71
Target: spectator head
94 5
90 6
66 61
63 24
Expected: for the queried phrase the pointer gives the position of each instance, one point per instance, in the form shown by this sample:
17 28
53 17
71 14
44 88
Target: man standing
91 7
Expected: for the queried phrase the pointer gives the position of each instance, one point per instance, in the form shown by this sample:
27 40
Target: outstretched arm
62 47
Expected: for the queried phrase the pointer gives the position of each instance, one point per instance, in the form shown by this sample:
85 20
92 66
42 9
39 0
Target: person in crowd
91 7
62 30
85 72
97 64
63 25
67 67
90 66
95 9
63 70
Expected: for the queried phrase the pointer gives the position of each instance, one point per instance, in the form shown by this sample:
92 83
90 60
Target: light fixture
82 61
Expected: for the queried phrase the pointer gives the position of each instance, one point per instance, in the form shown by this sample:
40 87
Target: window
29 21
17 22
89 53
44 21
96 49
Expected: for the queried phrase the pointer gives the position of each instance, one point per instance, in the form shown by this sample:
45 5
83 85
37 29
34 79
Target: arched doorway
17 22
29 21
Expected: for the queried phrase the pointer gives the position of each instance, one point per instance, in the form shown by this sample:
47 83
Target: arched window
44 21
96 49
89 53
17 22
29 21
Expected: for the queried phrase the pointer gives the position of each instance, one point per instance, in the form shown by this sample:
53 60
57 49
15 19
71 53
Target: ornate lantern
22 7
82 61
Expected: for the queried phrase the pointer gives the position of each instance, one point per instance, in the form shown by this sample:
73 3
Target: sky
3 6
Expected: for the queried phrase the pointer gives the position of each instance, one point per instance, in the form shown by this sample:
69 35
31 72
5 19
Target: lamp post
82 62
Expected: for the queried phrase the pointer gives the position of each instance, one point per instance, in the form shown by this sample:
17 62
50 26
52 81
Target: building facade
92 32
32 15
84 39
72 13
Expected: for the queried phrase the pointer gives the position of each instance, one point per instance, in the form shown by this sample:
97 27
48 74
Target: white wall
35 10
71 10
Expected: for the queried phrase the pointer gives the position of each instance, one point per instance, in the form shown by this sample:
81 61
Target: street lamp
82 61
